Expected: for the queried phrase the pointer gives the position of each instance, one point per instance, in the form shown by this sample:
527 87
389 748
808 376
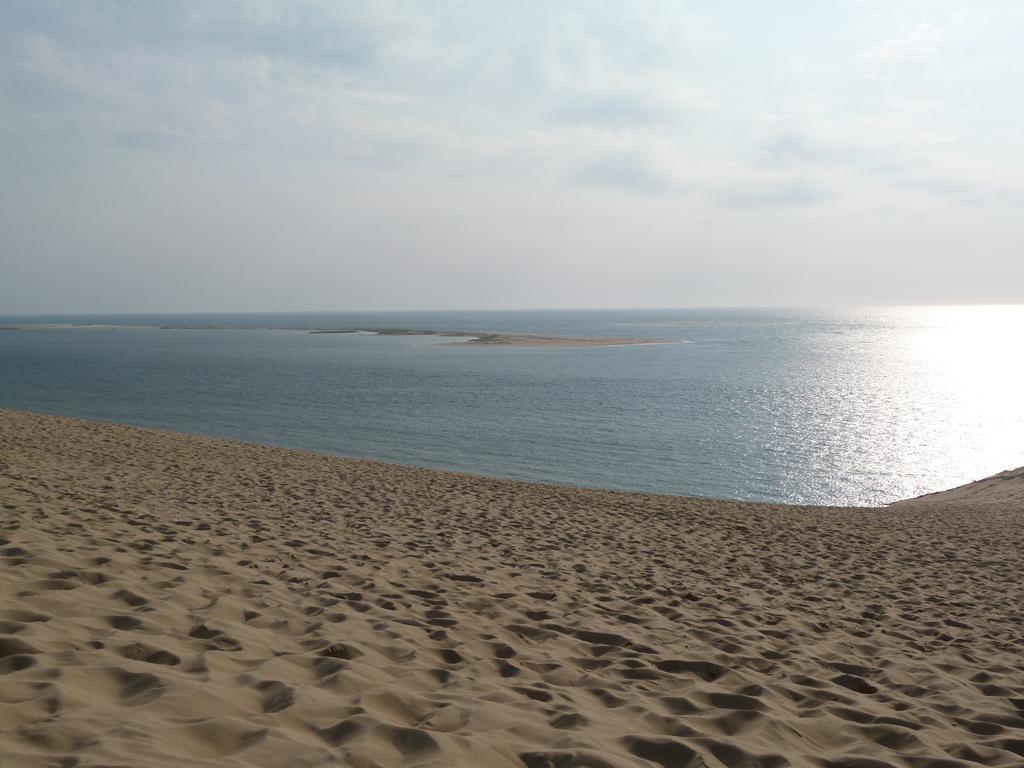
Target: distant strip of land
491 339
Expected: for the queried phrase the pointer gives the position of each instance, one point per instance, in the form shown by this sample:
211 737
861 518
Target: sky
313 155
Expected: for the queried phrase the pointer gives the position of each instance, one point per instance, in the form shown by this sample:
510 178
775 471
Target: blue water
859 406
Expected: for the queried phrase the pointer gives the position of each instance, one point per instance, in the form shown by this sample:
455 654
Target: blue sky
336 155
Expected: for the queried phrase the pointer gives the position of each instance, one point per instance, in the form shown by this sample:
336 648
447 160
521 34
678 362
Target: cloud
627 172
794 147
224 98
597 79
774 194
885 60
647 98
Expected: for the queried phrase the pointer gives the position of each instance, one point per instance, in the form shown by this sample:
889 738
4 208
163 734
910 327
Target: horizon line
841 305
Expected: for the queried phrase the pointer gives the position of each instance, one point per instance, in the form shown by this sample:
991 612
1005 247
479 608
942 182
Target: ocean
848 406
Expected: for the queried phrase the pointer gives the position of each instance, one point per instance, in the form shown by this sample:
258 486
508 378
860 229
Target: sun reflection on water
949 406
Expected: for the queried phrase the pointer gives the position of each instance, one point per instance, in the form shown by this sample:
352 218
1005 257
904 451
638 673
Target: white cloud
887 59
592 85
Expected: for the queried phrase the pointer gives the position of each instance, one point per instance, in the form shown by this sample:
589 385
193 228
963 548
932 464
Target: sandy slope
169 600
1002 491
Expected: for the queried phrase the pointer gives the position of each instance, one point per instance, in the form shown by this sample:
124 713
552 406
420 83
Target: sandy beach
171 600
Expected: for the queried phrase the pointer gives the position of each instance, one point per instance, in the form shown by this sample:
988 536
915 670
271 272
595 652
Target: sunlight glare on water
974 358
935 396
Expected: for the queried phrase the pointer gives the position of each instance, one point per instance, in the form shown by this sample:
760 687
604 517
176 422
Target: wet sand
169 600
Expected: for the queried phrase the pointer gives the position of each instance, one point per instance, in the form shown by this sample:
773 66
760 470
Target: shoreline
229 442
931 497
170 599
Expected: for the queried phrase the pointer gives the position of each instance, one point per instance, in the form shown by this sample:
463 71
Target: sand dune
168 600
1004 491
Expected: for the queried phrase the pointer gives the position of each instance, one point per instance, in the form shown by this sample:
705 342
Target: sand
168 600
460 338
490 339
533 340
1004 491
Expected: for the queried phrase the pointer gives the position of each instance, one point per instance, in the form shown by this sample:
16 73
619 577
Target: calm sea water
857 406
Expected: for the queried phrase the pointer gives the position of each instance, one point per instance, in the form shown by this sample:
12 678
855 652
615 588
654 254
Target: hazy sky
351 155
